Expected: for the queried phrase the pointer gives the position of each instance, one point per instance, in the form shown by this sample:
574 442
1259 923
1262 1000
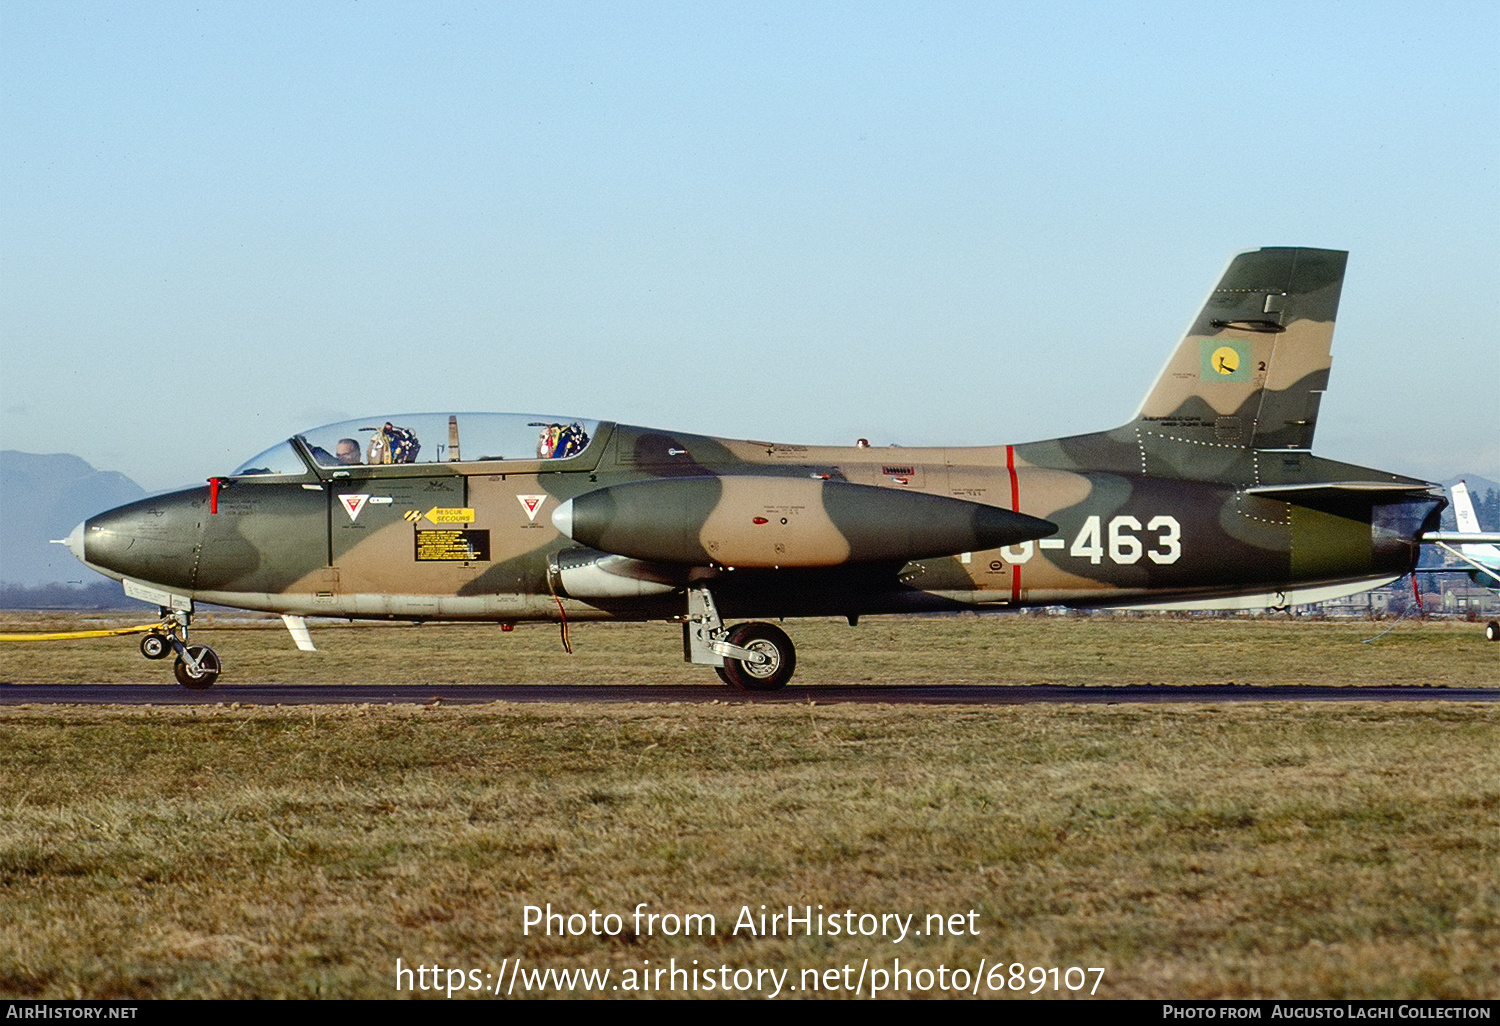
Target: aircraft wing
1476 539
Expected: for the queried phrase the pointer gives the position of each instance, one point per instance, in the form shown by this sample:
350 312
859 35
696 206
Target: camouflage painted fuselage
1208 494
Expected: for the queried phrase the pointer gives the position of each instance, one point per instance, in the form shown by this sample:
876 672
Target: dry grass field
1275 849
1121 649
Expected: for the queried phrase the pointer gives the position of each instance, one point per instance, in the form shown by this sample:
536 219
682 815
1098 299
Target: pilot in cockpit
347 452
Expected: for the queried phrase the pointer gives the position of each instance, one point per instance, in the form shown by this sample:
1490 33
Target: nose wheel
156 646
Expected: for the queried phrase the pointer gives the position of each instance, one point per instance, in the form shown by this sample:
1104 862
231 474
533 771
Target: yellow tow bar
76 635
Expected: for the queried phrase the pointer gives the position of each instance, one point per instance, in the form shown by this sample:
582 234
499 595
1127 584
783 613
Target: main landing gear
747 657
197 666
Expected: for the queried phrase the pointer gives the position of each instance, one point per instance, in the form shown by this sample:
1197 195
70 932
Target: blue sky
221 223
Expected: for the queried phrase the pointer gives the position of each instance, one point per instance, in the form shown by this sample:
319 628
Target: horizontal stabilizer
1322 492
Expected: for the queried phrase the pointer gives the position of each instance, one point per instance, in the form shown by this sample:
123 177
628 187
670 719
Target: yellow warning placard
452 546
450 515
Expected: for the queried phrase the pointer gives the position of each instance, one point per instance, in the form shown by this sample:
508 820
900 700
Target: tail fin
1468 523
1463 509
1253 366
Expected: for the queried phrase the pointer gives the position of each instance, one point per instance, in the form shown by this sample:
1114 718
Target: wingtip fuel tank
764 522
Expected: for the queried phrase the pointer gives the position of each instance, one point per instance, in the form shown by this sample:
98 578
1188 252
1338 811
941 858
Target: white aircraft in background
1475 547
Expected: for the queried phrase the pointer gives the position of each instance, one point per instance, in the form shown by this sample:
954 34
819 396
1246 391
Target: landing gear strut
197 666
747 657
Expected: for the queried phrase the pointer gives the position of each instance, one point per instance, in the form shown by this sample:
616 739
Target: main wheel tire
770 641
155 646
1492 630
207 672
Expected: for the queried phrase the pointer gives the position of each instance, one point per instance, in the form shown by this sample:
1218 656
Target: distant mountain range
45 497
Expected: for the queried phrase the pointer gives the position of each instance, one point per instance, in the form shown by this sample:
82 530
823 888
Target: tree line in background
1487 509
95 595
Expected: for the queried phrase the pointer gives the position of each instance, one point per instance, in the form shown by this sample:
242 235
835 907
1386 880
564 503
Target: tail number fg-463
1120 541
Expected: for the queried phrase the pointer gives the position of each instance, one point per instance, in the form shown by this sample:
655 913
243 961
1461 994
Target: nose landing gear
197 666
155 645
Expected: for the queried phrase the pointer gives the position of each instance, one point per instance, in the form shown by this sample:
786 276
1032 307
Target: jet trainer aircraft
1209 497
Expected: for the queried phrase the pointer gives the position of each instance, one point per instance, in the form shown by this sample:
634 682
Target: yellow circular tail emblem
1225 360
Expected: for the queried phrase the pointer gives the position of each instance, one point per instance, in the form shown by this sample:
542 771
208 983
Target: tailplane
1252 368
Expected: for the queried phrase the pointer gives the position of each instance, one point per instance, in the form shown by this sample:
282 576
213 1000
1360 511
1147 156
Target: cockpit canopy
428 438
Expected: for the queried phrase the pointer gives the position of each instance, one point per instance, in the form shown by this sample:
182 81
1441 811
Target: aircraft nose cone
154 540
74 542
562 518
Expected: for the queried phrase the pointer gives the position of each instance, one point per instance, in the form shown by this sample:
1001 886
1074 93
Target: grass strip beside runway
1000 649
1193 851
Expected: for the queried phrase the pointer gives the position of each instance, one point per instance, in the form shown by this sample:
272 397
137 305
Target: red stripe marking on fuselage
1015 506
